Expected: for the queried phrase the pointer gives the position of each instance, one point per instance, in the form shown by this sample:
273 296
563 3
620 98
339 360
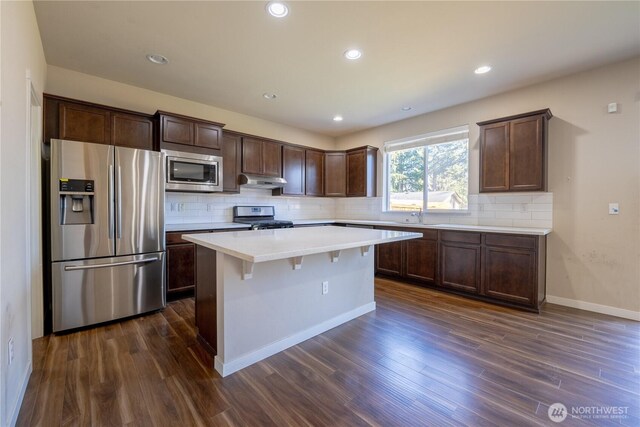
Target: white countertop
204 226
270 245
459 227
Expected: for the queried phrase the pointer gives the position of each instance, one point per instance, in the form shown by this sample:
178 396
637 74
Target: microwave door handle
119 217
111 202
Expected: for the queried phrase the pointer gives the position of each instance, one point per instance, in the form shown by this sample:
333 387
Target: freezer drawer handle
115 264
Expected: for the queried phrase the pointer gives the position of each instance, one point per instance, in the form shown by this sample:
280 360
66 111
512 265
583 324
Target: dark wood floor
422 358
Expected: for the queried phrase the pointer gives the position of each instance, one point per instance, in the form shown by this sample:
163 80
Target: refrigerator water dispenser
76 201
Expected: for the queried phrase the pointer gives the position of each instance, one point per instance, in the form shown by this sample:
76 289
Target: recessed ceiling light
337 118
482 70
352 54
157 59
277 9
406 108
268 95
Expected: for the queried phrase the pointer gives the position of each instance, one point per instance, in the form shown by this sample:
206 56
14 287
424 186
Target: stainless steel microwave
192 172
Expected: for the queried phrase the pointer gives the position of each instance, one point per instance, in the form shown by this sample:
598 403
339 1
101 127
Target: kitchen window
428 172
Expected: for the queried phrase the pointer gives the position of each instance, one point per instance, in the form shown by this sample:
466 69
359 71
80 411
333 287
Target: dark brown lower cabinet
421 258
389 259
410 259
502 268
460 267
181 267
460 257
181 264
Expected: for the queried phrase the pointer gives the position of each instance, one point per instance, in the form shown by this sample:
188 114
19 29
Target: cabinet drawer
174 237
461 237
525 242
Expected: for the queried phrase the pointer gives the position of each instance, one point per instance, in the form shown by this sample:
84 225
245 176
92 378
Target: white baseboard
597 308
228 368
23 388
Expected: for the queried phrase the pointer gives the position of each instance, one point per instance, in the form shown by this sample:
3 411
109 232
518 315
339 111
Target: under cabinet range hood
261 181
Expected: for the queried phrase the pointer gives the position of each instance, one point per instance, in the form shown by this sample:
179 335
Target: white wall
594 158
72 84
21 51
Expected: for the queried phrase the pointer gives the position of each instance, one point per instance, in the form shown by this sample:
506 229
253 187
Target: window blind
446 135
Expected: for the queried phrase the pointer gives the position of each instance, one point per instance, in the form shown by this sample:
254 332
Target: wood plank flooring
423 358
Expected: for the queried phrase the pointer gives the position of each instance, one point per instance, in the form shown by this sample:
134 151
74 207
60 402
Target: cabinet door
252 156
460 267
526 154
494 157
335 174
389 259
314 173
129 130
272 158
421 259
357 173
510 274
207 135
231 154
181 267
293 170
177 130
83 123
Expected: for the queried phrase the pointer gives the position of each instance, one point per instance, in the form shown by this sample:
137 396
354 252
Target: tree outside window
443 167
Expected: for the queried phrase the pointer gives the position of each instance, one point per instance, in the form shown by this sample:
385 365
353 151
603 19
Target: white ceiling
418 54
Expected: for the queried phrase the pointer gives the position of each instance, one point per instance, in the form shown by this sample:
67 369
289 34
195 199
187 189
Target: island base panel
206 305
280 306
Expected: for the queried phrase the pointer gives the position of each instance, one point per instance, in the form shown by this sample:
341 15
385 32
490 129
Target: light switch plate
614 209
612 108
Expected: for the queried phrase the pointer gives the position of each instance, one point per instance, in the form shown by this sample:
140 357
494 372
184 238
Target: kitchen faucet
418 214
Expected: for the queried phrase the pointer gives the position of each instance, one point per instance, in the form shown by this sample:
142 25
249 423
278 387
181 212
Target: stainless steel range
259 217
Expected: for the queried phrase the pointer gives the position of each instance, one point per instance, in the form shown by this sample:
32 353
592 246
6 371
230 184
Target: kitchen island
260 292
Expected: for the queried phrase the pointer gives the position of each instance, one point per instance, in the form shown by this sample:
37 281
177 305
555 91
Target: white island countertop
269 245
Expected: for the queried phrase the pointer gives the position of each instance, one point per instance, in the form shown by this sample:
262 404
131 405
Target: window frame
437 137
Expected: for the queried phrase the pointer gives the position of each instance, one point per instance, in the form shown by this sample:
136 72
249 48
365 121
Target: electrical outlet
325 288
11 353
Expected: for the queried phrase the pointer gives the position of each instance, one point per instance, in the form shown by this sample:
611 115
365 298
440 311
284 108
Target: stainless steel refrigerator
107 233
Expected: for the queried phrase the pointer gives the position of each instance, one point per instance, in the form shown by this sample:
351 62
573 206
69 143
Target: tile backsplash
509 210
181 208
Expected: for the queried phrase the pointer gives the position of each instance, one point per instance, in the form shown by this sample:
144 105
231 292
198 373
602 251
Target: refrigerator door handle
114 264
111 207
119 218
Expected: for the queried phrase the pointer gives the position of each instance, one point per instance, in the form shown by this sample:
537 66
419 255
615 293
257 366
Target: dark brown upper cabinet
361 172
314 173
261 157
183 130
513 152
231 156
293 170
335 174
83 121
130 130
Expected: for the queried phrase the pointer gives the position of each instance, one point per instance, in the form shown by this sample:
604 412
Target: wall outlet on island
325 288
